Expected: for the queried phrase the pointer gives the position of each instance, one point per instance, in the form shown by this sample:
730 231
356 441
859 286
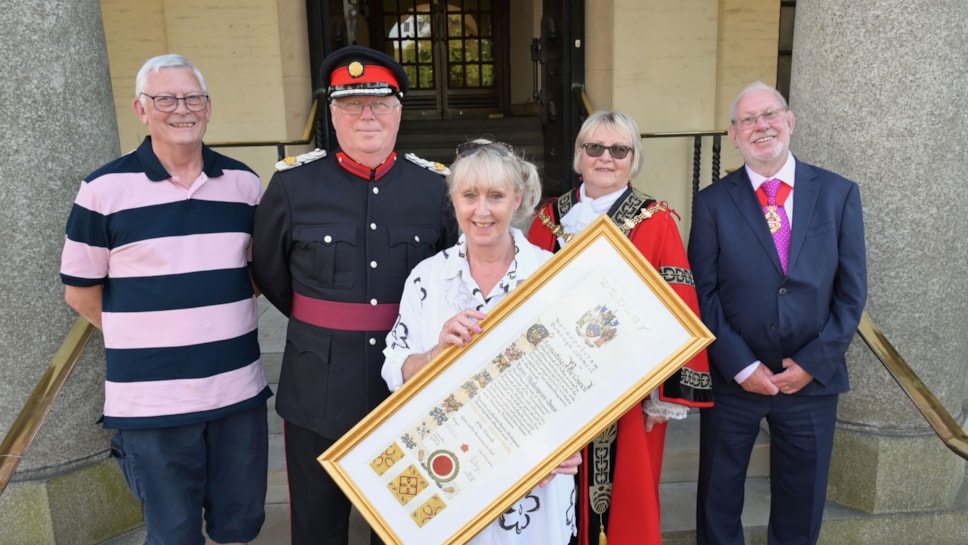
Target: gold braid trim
633 208
566 201
600 468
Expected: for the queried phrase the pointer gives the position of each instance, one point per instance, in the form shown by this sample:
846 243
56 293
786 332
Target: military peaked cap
358 70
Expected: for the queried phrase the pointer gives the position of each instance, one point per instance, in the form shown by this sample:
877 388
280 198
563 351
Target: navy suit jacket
755 310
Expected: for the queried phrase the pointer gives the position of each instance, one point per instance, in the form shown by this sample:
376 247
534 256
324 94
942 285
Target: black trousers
319 511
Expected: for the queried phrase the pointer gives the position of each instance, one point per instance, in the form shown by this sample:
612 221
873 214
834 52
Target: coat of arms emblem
598 326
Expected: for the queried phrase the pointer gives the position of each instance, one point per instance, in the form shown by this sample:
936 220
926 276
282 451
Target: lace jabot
586 210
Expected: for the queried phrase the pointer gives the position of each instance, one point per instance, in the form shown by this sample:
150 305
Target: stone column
57 124
879 88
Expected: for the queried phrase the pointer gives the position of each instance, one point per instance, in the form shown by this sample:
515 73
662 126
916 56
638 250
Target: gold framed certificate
569 351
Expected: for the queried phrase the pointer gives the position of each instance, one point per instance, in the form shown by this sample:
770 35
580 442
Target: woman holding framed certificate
446 296
618 492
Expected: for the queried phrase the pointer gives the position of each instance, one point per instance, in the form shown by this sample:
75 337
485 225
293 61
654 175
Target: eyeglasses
470 148
194 103
616 151
356 107
770 116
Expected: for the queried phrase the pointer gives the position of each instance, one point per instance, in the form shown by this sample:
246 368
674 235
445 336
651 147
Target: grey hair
160 62
492 168
755 86
618 122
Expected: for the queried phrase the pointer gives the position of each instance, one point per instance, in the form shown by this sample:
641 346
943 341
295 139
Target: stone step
681 458
680 470
679 511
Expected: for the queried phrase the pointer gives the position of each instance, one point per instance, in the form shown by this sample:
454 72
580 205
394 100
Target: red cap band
371 73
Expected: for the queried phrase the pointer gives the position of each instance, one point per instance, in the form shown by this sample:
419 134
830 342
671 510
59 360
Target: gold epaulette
433 166
295 161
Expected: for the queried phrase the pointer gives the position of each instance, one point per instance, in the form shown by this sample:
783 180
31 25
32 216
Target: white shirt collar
786 173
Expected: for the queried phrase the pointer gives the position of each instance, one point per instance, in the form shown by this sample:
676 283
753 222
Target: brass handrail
940 420
584 101
38 406
307 137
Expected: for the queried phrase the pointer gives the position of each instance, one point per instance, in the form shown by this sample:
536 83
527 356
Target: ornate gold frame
392 477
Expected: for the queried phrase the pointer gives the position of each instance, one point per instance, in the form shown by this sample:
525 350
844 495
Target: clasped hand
765 382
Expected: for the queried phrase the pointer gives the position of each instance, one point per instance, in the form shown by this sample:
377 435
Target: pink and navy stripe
180 320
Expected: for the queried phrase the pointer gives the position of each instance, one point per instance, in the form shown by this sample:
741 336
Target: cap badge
355 69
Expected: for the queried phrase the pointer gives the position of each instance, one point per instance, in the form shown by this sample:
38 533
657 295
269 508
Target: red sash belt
344 316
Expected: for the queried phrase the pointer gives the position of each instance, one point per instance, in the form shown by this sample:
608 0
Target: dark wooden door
563 72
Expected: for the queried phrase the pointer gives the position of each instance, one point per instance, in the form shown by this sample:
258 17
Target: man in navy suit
782 326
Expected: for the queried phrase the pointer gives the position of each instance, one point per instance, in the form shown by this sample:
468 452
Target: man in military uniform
335 238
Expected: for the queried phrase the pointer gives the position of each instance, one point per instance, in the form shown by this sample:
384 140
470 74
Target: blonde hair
494 165
617 122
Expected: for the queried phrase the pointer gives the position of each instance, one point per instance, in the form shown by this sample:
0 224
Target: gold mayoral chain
629 223
626 224
556 230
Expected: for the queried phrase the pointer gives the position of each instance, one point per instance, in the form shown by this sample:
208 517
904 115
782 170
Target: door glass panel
456 76
408 32
471 43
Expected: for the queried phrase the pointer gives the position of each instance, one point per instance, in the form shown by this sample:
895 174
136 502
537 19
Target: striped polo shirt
179 316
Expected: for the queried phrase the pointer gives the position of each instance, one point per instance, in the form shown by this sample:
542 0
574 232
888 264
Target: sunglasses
470 148
616 151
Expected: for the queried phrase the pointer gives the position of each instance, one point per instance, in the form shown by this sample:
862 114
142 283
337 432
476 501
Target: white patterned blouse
437 289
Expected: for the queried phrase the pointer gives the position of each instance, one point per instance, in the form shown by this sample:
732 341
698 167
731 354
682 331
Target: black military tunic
333 244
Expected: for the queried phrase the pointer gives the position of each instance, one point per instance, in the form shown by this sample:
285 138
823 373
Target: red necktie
772 195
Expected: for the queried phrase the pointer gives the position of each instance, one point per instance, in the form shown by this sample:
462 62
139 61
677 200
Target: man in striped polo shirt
157 252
